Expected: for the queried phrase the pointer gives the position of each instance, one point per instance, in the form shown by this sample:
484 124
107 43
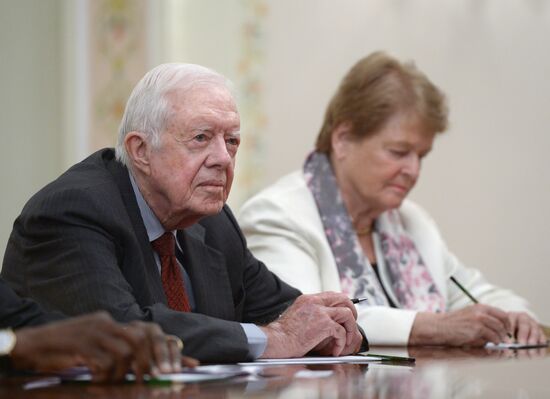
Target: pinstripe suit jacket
16 312
80 245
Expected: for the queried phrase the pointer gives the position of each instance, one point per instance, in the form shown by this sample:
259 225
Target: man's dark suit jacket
16 312
80 245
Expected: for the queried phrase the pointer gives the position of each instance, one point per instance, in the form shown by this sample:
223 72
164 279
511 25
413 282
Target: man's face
191 171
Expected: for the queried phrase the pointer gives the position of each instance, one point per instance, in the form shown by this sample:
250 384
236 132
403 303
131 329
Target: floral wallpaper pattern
250 70
118 59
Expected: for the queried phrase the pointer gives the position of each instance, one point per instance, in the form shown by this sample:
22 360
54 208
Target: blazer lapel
154 283
208 274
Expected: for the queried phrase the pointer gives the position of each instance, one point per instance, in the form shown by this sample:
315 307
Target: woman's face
379 171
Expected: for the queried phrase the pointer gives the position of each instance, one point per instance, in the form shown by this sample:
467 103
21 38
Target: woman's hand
526 329
474 326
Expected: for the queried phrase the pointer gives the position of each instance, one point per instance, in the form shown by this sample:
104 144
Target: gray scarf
410 279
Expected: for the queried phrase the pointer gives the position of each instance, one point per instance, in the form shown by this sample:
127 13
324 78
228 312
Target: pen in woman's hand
358 300
472 298
464 290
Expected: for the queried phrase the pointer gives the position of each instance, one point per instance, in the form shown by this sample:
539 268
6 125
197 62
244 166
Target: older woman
343 223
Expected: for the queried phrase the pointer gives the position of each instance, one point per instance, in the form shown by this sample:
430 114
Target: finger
175 346
513 319
121 344
354 346
101 352
535 333
523 331
500 315
100 366
488 329
339 339
151 348
487 335
496 324
163 347
333 339
343 317
119 352
528 331
497 330
189 361
134 335
336 299
142 360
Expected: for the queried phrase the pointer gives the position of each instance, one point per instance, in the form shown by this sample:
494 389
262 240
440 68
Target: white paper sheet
314 360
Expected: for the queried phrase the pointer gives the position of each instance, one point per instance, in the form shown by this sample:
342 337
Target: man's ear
341 139
138 150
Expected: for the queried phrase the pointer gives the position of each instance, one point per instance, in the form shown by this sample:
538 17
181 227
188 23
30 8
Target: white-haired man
146 234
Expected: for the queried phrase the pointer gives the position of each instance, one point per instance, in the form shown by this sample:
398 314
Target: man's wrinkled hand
323 322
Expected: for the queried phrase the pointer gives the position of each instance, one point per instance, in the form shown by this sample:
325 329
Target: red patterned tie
172 283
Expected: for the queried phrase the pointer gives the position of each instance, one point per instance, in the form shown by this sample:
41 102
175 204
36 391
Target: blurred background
68 66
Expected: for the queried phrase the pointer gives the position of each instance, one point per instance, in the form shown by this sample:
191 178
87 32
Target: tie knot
165 245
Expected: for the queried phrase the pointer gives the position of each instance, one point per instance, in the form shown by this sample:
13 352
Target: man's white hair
148 108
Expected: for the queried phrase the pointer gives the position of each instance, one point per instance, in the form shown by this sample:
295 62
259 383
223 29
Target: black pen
472 298
387 358
464 290
358 300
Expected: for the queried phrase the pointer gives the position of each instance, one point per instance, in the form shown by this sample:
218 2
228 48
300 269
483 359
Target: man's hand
322 322
525 329
474 326
155 352
107 348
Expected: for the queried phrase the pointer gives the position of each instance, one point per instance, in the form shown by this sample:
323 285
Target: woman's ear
138 150
341 140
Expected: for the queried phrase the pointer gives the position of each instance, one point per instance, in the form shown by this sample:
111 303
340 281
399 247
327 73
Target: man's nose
219 155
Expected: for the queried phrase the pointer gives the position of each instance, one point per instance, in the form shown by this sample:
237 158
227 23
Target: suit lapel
207 270
206 266
154 283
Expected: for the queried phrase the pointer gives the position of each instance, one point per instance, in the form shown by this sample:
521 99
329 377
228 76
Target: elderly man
107 348
145 234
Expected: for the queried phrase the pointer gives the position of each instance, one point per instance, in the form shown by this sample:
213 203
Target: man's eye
200 137
232 141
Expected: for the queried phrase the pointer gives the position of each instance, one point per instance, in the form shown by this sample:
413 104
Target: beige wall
30 108
487 182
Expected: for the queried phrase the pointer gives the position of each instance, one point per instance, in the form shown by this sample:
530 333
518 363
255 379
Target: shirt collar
152 224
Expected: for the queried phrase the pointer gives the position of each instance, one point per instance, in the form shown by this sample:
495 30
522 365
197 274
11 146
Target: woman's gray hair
148 108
